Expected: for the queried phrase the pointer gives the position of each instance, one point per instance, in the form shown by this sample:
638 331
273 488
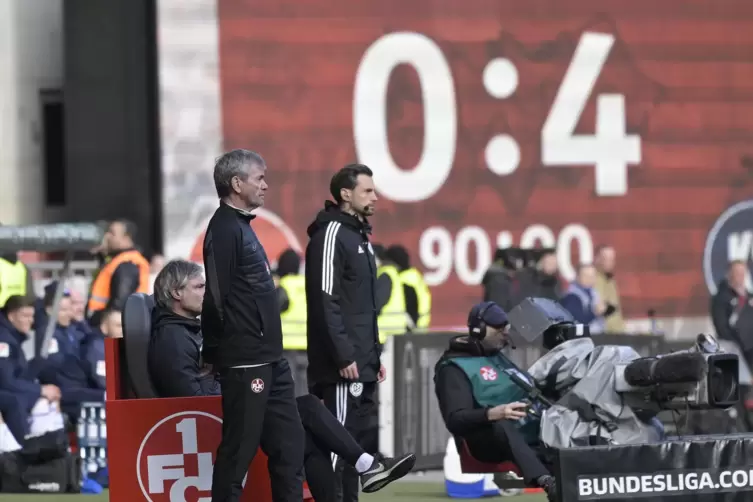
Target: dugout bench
162 449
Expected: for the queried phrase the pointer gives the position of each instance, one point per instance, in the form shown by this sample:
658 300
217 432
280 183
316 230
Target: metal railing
45 272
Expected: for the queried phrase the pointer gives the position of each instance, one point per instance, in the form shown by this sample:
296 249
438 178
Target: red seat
470 465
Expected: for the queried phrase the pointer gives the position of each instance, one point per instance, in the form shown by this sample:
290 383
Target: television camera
701 377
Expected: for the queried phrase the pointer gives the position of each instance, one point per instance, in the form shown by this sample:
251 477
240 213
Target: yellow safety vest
294 318
393 319
12 280
415 279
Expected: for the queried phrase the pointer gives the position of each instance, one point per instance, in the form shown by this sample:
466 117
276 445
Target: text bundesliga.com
667 483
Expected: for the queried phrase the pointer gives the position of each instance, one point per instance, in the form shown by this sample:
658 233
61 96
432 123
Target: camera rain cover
533 316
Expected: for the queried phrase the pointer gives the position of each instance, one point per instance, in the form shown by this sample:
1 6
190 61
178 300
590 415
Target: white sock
364 462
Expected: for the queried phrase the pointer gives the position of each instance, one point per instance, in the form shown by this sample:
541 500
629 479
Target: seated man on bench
480 403
176 370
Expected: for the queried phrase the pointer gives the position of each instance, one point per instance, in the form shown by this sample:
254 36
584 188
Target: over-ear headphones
477 327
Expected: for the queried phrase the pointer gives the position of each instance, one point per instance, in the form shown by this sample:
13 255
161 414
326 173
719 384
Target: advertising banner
166 450
693 469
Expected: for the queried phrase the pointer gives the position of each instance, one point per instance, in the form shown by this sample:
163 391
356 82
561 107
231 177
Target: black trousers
353 405
501 441
324 436
259 409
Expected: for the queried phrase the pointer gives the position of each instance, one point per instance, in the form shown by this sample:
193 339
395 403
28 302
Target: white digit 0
477 236
610 149
537 234
440 116
435 251
581 235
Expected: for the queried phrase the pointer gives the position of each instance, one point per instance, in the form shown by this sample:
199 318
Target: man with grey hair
176 330
240 320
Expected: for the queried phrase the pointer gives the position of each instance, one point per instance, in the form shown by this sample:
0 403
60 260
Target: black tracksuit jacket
341 298
240 317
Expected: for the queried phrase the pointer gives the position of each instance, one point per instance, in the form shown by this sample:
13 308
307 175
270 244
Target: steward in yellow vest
392 319
14 278
292 295
294 317
413 279
417 294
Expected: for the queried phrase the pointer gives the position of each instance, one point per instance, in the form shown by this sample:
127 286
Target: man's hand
512 411
51 392
382 375
206 370
350 372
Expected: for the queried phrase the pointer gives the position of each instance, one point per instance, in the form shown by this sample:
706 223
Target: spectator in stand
125 270
732 309
500 282
17 375
606 287
64 363
77 313
582 300
82 376
542 279
78 287
66 339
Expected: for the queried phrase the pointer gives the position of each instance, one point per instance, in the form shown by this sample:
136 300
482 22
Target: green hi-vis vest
393 318
12 280
492 387
294 319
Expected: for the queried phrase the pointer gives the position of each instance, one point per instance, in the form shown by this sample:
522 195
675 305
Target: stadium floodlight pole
68 237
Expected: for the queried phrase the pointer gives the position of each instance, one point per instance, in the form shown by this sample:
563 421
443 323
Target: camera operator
481 404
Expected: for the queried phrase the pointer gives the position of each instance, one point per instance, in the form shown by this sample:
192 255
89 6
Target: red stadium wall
288 71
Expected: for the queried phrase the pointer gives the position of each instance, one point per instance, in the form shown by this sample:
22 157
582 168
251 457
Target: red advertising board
163 450
492 123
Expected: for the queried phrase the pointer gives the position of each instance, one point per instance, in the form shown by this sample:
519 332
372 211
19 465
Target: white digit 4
610 149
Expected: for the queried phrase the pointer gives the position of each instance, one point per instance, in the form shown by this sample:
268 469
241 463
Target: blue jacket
68 367
17 375
580 301
93 355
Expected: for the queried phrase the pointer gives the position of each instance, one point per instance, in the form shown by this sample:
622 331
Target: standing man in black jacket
240 321
343 338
